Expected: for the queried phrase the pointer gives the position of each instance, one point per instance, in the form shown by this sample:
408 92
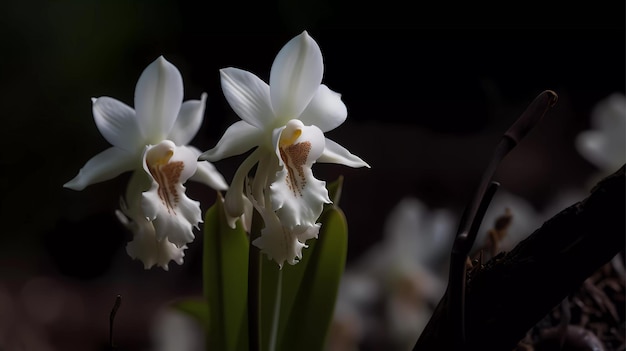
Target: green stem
276 317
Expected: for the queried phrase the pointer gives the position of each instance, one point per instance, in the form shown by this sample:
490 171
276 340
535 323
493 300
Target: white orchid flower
145 246
605 144
151 141
285 121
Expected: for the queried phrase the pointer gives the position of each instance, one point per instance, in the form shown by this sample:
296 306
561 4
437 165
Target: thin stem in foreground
276 314
116 306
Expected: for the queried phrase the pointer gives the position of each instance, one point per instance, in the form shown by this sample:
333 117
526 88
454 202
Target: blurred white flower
151 141
404 272
417 243
604 145
524 217
285 121
174 331
353 317
524 220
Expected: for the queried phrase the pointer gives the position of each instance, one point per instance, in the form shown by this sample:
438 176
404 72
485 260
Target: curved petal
304 233
104 166
248 96
117 123
234 203
207 174
265 170
173 214
335 153
188 121
246 216
139 182
295 76
326 110
158 97
237 139
296 196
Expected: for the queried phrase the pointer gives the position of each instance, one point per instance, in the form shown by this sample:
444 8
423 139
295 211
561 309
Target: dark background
429 86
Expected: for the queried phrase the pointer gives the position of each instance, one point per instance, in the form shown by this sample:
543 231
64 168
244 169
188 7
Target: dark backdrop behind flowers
429 90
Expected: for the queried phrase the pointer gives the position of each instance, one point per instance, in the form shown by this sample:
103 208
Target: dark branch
471 219
515 290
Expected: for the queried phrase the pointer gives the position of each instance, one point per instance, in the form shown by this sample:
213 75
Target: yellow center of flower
288 137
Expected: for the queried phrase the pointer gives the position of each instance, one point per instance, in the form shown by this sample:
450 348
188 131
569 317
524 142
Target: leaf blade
225 271
310 316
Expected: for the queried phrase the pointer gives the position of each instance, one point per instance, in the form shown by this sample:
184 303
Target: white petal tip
206 156
74 185
203 157
93 100
163 64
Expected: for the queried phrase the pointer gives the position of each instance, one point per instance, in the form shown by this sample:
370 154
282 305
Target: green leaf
293 277
225 283
310 316
195 307
309 289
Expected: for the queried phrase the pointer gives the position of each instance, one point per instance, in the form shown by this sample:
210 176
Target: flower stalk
472 216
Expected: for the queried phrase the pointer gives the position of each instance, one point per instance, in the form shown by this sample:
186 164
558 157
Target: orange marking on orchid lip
294 156
167 177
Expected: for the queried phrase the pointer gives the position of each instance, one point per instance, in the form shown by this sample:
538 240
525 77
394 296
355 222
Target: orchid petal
188 121
335 153
281 243
234 203
238 138
265 170
295 76
206 173
245 217
248 96
325 111
146 248
158 98
117 123
104 166
174 214
304 233
296 196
